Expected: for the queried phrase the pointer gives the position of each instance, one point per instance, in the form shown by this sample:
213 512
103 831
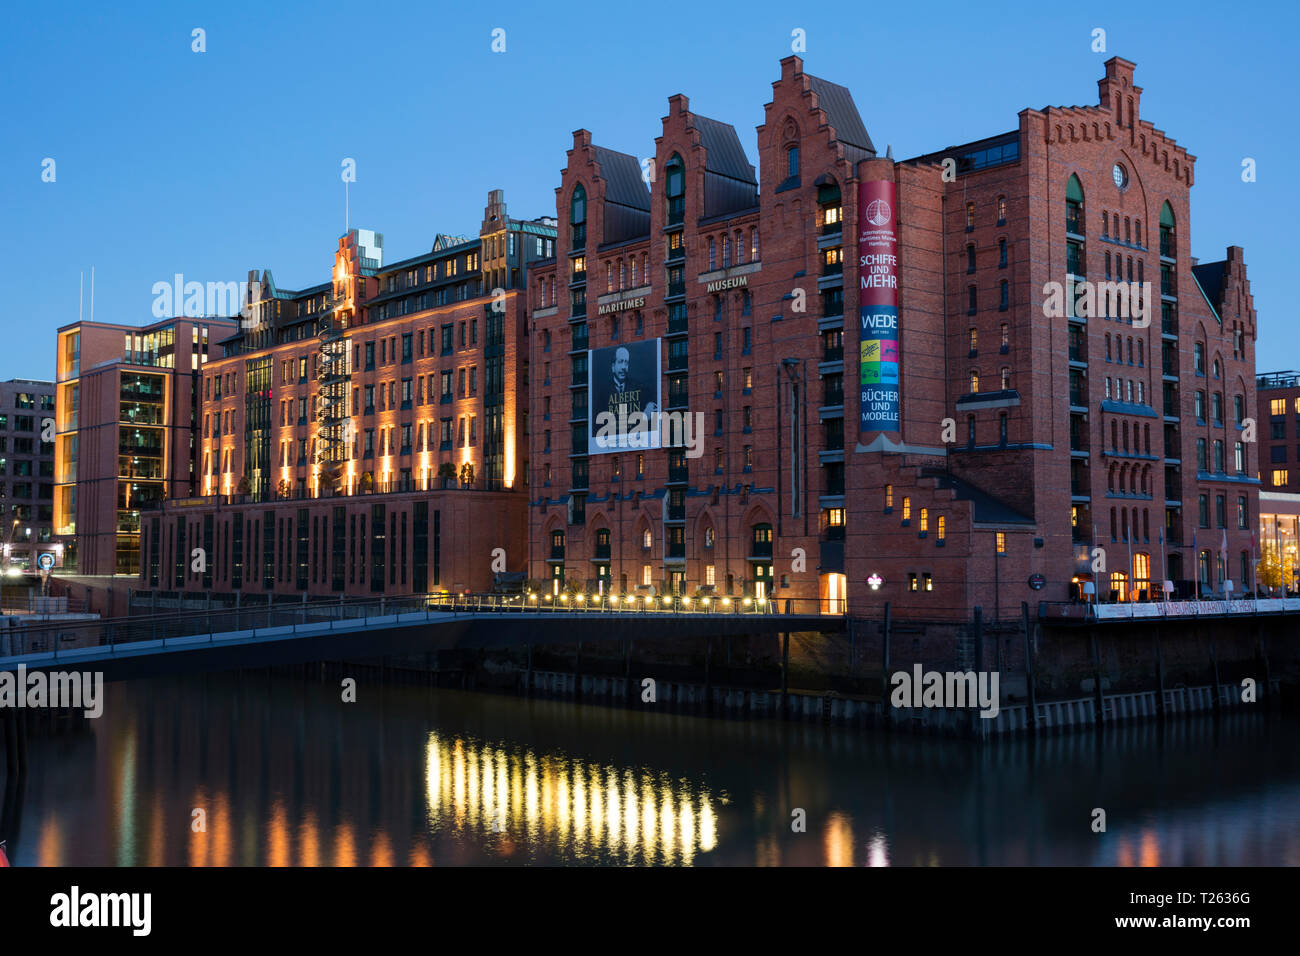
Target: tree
466 475
446 473
244 486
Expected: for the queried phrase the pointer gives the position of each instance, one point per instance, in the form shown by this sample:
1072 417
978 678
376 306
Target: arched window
675 189
713 254
753 244
1168 245
1074 221
647 538
578 217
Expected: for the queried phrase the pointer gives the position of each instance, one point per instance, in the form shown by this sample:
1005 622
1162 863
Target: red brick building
1046 390
363 435
1027 417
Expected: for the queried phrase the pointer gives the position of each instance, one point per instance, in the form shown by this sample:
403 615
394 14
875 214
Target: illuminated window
647 539
942 529
709 574
1279 477
970 216
925 519
927 582
1002 542
911 581
974 381
889 496
907 508
1278 406
647 574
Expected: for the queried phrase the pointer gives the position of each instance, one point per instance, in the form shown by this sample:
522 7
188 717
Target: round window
1120 175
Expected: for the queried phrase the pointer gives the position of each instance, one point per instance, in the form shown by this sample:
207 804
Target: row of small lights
648 600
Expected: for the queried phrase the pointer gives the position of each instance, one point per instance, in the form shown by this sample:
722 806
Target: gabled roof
842 112
624 183
726 155
1209 276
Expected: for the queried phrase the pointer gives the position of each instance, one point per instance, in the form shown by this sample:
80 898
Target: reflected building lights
563 803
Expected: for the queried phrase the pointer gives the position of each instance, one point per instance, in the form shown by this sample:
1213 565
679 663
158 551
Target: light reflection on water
286 775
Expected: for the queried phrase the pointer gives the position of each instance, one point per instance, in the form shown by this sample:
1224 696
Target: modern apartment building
1278 417
126 404
26 474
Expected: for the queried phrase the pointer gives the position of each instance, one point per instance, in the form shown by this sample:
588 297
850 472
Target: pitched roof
842 113
622 173
726 155
1209 275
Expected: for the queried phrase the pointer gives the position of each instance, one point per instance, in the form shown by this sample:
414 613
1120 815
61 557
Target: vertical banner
878 306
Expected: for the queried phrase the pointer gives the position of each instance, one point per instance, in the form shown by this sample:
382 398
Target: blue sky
210 164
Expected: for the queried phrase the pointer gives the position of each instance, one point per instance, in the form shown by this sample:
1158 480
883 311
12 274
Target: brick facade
1019 429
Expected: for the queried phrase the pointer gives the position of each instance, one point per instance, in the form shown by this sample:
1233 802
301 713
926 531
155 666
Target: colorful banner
878 306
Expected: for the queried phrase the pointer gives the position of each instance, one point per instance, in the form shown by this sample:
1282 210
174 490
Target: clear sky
210 164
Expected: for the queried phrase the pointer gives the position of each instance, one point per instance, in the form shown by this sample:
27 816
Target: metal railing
290 618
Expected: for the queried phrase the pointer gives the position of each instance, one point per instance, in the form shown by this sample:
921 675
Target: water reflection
284 774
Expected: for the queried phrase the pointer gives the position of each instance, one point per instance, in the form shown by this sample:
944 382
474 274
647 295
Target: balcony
677 549
678 474
557 552
677 512
601 553
833 353
1079 397
1074 222
676 324
676 252
579 240
760 550
677 288
676 210
833 392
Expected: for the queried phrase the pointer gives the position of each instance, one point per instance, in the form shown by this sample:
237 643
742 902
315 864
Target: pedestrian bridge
227 638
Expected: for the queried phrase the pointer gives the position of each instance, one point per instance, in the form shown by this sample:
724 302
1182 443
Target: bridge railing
56 637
